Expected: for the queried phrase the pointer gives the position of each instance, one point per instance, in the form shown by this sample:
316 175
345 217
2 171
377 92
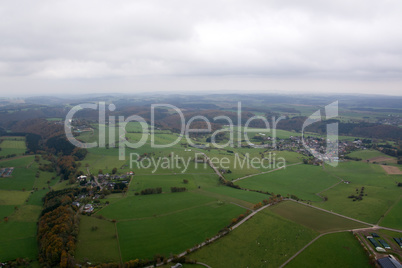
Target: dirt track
392 170
382 159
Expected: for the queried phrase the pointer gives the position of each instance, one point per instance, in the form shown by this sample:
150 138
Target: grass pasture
266 240
333 251
369 154
18 239
136 207
97 241
12 145
6 211
380 188
13 197
315 219
393 218
173 234
304 181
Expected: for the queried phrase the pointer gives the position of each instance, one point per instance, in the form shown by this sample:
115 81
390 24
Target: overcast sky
141 46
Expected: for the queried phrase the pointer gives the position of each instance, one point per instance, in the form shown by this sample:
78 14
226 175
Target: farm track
319 193
265 172
14 158
389 209
118 243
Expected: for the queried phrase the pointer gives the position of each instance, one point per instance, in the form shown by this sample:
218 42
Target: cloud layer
309 40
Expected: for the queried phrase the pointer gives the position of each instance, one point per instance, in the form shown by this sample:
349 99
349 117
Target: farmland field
18 239
393 219
173 234
304 181
12 145
368 154
97 240
380 191
315 219
133 207
330 248
266 240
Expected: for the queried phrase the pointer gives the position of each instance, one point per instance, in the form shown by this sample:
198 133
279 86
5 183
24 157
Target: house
88 208
82 177
75 204
389 262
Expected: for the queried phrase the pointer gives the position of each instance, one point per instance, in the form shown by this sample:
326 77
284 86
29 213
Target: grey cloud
128 39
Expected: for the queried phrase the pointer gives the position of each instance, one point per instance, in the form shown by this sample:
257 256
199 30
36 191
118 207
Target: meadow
174 233
315 219
266 240
12 145
97 240
326 252
18 239
133 207
380 192
368 154
22 206
304 181
393 218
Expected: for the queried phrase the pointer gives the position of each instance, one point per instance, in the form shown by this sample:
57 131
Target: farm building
398 241
177 265
384 243
88 208
375 235
389 262
375 244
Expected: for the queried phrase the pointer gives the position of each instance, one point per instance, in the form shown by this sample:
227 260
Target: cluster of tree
67 167
273 199
157 259
119 187
352 158
30 112
312 161
46 167
8 156
58 229
399 184
178 189
59 144
359 129
223 181
157 190
294 197
19 262
358 196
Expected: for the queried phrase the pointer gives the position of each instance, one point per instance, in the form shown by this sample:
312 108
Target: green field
266 240
18 239
12 145
368 154
133 207
380 188
304 181
13 197
6 211
393 219
333 251
315 219
173 234
22 206
97 240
